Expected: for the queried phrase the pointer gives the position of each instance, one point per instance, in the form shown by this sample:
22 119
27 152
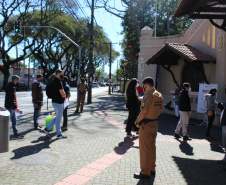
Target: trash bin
4 130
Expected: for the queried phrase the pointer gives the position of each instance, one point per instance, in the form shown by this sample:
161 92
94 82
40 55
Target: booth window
192 74
203 36
208 35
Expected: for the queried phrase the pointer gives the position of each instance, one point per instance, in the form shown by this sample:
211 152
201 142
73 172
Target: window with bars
192 74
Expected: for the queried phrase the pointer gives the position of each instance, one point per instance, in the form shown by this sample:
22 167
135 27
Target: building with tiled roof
197 57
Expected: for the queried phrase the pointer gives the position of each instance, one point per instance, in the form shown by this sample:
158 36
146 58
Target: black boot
177 136
185 138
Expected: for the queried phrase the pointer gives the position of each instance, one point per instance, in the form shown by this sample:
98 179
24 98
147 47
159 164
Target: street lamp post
90 66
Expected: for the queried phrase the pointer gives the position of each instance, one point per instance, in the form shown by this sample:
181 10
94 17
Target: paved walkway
97 152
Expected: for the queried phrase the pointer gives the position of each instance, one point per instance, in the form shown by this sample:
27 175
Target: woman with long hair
132 105
211 106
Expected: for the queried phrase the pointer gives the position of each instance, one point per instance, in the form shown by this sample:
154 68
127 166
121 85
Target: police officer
151 108
82 89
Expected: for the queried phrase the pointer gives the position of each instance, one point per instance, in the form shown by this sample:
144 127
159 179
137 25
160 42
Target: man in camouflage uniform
82 89
151 108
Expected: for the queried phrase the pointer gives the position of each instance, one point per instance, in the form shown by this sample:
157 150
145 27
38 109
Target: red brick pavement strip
90 171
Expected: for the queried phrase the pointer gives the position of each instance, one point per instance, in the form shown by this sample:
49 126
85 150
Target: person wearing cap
185 112
82 89
147 122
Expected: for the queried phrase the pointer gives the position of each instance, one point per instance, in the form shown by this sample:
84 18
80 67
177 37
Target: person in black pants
67 91
132 105
211 106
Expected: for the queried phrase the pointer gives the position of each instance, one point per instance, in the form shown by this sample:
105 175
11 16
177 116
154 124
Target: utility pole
90 65
117 74
155 20
168 22
109 90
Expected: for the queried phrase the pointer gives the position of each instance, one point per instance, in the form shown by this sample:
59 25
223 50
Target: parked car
21 86
43 86
102 84
94 84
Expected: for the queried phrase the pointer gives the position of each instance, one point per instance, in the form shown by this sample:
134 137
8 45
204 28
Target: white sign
21 113
203 90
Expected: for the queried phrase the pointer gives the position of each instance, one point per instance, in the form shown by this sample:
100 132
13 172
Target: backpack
49 92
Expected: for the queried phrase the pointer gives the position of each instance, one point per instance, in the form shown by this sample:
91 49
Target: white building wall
215 73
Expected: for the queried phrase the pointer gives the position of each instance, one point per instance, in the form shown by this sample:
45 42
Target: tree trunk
6 76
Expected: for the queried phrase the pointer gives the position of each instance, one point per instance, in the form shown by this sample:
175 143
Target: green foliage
138 15
98 75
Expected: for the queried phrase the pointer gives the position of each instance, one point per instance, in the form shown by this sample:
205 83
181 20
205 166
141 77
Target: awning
171 52
188 7
203 9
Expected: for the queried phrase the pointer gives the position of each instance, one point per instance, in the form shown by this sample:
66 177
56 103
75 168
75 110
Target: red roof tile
173 51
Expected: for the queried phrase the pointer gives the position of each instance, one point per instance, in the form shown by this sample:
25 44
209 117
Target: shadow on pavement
103 103
146 181
185 147
22 133
124 146
167 126
201 171
33 149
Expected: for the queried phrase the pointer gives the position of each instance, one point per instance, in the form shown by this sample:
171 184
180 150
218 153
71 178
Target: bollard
4 130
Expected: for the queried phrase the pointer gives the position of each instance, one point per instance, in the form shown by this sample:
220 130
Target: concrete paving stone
91 137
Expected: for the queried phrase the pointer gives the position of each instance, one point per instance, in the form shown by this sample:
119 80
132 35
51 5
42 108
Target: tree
98 75
7 9
138 14
10 11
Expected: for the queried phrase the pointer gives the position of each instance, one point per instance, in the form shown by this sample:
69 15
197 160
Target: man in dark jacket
11 104
37 98
58 104
67 91
223 124
185 112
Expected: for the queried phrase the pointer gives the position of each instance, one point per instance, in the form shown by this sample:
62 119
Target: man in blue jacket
185 112
11 104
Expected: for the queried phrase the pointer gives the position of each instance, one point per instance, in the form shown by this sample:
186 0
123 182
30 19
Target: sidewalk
97 152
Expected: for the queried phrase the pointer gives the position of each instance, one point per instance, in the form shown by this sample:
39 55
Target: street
25 100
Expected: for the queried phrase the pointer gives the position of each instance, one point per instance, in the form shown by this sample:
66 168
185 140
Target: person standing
82 89
11 104
148 125
68 95
140 92
185 112
58 97
176 100
223 124
211 106
37 98
132 105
